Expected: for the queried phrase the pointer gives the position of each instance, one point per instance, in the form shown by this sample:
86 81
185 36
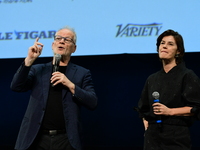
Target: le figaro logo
138 30
20 35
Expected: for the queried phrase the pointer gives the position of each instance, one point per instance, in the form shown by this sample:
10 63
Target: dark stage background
118 81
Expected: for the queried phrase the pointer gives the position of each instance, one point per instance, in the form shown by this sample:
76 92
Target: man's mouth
60 47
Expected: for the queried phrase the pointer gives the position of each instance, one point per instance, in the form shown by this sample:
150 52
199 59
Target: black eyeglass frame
66 39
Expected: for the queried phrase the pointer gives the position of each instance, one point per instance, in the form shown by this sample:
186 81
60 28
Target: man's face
63 43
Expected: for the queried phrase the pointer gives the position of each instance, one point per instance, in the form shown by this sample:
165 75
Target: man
51 121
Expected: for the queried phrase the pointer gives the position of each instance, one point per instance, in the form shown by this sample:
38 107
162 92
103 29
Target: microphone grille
57 56
57 59
155 95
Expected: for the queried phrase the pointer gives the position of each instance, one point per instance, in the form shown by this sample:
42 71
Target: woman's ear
178 52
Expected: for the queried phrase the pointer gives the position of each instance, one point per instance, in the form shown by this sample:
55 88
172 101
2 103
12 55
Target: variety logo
20 35
138 30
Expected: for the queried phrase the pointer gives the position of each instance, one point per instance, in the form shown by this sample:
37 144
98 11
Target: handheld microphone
156 96
57 59
56 62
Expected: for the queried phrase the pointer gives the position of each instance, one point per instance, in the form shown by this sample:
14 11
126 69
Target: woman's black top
178 88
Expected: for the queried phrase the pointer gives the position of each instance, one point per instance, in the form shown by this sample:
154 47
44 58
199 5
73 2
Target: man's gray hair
72 30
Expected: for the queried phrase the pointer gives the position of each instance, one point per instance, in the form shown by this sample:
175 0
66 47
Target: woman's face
168 48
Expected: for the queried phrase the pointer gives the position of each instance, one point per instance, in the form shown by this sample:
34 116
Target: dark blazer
37 79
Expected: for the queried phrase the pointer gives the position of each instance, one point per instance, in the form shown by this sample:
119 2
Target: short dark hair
179 42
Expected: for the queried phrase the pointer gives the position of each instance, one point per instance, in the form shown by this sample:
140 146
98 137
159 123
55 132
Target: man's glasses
66 39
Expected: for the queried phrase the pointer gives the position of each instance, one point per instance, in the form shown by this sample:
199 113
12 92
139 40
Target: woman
176 90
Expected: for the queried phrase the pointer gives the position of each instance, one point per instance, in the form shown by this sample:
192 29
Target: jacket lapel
70 71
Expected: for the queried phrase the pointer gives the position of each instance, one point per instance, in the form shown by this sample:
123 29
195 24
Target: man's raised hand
33 52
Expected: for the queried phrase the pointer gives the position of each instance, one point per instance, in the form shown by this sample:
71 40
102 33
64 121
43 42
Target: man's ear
74 48
52 44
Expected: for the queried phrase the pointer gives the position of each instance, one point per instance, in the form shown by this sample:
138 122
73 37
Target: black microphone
56 62
156 100
57 59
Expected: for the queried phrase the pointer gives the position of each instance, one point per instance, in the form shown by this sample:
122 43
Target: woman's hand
161 109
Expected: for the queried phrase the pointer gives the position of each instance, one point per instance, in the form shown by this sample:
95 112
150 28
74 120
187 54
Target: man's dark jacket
37 79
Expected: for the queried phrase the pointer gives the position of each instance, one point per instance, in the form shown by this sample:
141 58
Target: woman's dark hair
179 42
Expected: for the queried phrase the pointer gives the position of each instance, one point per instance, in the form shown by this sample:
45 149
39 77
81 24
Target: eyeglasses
66 39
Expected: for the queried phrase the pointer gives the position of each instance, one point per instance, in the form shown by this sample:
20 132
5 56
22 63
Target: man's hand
58 77
33 52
